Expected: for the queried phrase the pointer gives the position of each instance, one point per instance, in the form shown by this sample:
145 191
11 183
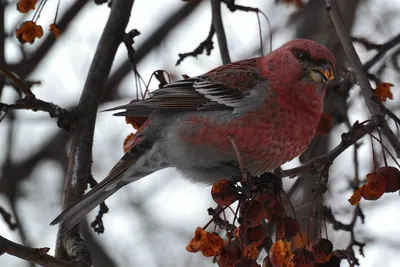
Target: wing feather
227 87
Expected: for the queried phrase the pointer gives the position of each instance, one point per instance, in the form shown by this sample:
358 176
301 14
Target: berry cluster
259 199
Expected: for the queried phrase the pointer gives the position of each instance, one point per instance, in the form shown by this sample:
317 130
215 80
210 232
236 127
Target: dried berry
322 250
280 254
223 193
252 213
355 198
252 236
230 254
392 177
374 188
245 262
303 258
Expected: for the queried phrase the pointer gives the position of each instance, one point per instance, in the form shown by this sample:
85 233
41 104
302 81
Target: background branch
36 255
360 73
219 29
80 158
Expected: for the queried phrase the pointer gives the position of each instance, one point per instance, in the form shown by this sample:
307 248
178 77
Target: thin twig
207 45
32 103
239 158
219 29
97 224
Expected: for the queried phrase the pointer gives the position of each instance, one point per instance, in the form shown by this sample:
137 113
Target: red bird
269 105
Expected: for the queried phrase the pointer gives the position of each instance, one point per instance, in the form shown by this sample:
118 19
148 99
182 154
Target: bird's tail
122 174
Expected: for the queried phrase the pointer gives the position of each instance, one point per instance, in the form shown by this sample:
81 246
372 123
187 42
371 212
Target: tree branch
34 104
207 45
320 165
80 158
383 48
7 218
219 29
360 74
36 255
151 43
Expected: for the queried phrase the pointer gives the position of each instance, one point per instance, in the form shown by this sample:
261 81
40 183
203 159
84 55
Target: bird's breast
265 139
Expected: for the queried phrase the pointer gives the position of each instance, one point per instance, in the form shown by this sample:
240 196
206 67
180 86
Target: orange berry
28 31
355 198
280 254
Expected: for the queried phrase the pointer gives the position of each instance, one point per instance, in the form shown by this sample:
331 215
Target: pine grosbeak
270 105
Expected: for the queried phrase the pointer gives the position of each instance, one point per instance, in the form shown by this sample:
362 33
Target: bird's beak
327 72
321 74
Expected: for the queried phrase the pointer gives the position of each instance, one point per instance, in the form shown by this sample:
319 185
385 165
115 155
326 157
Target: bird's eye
300 54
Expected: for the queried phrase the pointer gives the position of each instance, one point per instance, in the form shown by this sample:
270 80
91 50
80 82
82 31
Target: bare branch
36 255
34 104
207 45
366 43
7 218
383 48
82 138
152 42
219 29
360 74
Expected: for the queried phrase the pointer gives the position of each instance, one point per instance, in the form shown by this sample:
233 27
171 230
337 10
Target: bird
264 110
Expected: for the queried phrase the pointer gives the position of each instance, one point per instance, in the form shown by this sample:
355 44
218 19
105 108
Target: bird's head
300 60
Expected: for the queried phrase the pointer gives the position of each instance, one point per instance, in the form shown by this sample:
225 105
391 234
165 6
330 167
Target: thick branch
36 255
80 158
360 73
219 29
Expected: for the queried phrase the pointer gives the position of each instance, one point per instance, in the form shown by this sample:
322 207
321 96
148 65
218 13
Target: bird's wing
226 87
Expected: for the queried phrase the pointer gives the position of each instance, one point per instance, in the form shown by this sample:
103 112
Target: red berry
252 213
392 176
374 188
245 262
322 250
223 193
303 258
291 227
230 254
252 236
